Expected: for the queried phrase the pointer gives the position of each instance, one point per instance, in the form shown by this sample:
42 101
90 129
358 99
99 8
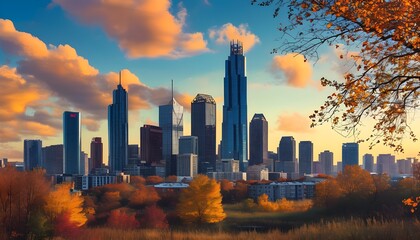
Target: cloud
294 122
142 28
228 32
292 69
47 82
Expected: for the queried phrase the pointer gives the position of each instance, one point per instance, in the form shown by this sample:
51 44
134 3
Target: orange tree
201 202
384 81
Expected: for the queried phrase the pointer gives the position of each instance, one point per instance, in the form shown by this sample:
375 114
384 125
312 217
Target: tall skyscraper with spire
171 120
118 129
234 126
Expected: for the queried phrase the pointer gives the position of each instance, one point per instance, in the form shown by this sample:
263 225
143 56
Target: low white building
257 172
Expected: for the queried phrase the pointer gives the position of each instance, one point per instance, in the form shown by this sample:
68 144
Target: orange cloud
229 32
292 69
143 28
294 123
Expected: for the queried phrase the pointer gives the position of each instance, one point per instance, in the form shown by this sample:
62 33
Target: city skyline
40 82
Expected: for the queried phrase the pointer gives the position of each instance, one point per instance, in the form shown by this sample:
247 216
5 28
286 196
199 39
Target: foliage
152 180
201 202
327 193
154 217
383 80
355 181
121 219
65 227
143 196
283 205
62 202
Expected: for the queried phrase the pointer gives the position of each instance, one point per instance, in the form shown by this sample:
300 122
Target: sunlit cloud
293 70
228 32
294 122
142 28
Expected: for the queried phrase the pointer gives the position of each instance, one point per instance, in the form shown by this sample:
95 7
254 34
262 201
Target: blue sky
61 55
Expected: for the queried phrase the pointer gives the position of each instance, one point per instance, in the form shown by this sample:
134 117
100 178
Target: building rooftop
171 185
203 98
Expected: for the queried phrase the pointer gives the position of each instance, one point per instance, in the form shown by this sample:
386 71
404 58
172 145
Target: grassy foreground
346 229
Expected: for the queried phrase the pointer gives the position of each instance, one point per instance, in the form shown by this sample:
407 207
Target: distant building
133 154
368 162
306 157
84 163
386 164
326 160
280 190
171 120
230 165
257 172
151 145
317 167
187 165
32 154
350 154
234 125
231 176
72 142
96 152
53 159
339 166
118 130
203 125
188 144
258 140
404 166
287 157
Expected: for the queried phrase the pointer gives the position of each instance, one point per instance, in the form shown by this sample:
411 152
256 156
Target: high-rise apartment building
368 162
258 140
203 125
96 152
350 154
306 157
151 145
386 164
32 154
287 157
171 120
72 142
187 159
118 130
326 161
234 126
53 159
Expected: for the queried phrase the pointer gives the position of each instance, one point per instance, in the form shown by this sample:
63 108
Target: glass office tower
72 142
234 126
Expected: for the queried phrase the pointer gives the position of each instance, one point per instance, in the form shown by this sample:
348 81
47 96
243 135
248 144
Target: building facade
96 152
203 125
306 157
32 154
234 125
350 154
72 142
258 140
287 157
118 130
53 159
368 162
326 160
151 145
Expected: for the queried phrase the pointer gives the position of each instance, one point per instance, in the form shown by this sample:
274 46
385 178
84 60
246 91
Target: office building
350 154
32 154
326 160
188 144
287 157
133 154
203 125
234 125
118 130
72 142
53 159
386 164
306 157
96 153
258 140
84 164
171 120
151 145
187 165
368 162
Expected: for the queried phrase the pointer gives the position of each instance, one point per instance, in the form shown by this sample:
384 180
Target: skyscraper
258 139
350 154
287 157
96 152
133 155
386 164
84 164
203 125
118 129
151 145
326 159
171 120
187 158
234 126
368 162
188 144
306 157
32 154
72 142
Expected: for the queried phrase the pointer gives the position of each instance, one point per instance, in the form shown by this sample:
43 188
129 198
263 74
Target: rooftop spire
120 79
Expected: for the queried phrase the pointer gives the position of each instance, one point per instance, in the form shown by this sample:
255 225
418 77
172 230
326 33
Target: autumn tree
201 202
154 217
119 218
327 193
143 196
381 41
62 202
152 180
354 181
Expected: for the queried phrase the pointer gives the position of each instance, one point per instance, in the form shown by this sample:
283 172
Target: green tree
201 202
382 83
